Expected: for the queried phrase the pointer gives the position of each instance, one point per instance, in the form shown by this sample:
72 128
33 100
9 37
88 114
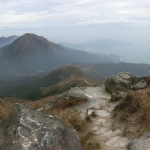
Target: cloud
49 13
117 21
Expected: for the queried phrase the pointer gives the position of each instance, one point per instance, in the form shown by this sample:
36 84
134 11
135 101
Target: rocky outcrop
140 85
75 94
143 143
118 83
124 81
26 129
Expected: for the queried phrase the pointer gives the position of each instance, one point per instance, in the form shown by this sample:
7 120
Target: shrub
70 117
139 102
93 114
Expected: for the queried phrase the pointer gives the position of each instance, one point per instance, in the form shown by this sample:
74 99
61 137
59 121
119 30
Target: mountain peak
28 44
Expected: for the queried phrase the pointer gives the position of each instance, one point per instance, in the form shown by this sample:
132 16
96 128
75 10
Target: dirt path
109 138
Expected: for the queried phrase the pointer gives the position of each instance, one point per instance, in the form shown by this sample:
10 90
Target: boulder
125 75
143 143
116 84
26 129
121 105
140 85
135 80
71 95
147 79
116 96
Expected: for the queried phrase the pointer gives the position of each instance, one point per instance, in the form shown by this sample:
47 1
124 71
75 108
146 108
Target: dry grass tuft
69 103
70 117
5 110
89 143
135 118
139 102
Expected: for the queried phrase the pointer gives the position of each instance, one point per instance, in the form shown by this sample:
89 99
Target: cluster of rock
124 81
27 129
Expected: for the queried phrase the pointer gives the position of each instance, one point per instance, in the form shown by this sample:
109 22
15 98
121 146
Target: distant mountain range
31 53
7 40
102 71
96 44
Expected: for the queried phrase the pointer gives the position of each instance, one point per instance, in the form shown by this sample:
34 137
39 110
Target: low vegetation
136 117
93 114
70 117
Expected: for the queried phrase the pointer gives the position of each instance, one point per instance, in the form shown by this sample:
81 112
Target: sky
75 21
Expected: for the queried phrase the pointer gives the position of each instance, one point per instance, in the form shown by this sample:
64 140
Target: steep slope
55 82
102 71
31 53
7 40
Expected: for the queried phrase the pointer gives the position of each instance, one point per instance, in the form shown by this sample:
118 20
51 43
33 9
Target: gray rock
116 96
26 129
140 85
124 81
73 94
116 84
1 101
143 143
147 79
135 80
125 75
121 105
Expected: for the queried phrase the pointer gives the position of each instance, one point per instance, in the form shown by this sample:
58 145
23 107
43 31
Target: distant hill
31 53
55 82
7 40
102 71
97 44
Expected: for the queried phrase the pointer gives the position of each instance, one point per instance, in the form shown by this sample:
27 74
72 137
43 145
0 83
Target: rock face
143 143
26 129
124 81
77 93
118 83
140 85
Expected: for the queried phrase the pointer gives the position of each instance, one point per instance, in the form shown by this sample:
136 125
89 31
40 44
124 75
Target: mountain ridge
7 40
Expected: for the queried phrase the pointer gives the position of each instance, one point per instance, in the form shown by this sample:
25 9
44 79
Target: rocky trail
98 101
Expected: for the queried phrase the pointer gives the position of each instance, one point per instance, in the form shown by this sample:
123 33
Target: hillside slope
55 82
102 71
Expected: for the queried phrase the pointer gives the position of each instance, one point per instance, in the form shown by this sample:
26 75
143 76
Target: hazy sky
54 18
78 20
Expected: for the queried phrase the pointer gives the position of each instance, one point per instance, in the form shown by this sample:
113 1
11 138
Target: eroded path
98 101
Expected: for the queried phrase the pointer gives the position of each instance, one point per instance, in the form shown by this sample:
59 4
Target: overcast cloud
52 13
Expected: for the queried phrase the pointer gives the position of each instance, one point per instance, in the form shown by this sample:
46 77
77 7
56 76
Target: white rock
102 113
122 143
95 128
112 141
100 122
